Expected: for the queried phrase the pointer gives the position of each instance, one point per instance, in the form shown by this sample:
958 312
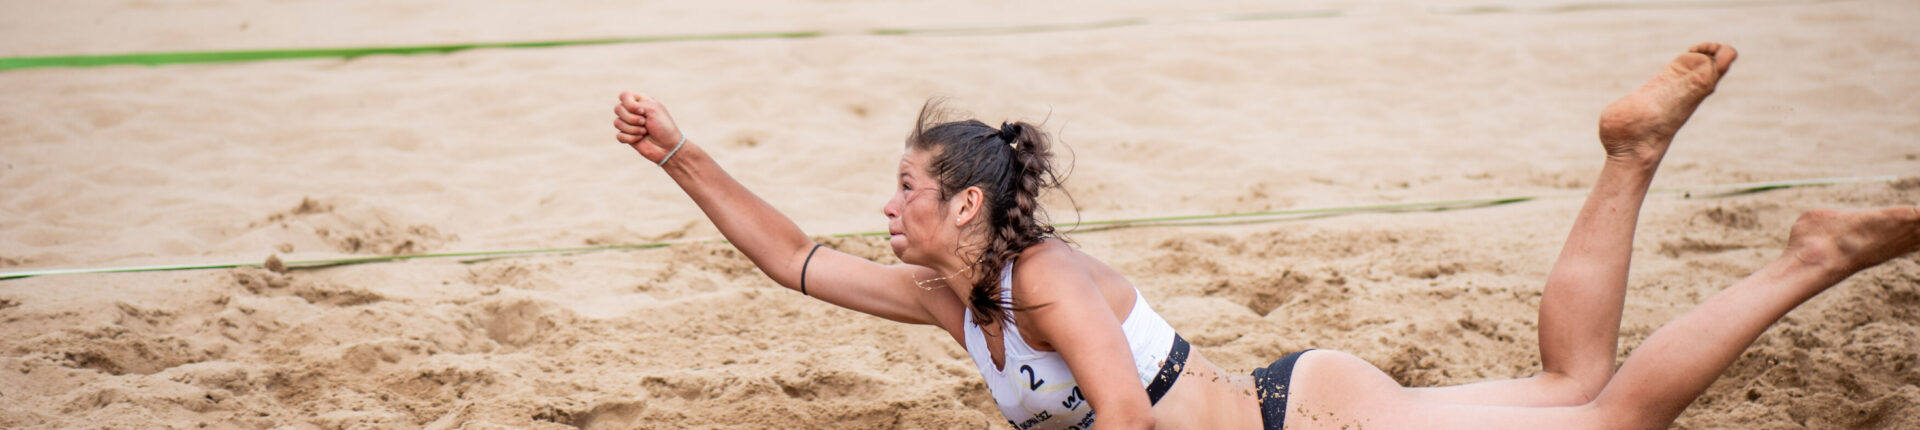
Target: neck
956 275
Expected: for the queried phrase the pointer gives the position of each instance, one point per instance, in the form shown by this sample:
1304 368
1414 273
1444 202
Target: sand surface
1378 102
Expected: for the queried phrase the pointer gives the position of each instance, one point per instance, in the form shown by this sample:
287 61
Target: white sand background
1361 103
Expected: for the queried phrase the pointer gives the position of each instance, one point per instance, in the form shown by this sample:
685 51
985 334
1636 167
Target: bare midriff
1207 398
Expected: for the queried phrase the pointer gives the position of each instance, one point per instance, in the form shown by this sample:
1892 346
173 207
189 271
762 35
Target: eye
905 186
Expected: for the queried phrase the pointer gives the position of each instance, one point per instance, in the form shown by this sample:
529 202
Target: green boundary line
189 57
1437 206
192 57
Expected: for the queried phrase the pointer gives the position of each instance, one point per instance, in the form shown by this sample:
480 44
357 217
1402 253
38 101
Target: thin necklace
923 284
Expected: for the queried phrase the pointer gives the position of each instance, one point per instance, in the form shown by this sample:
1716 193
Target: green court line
326 262
193 57
190 57
1436 206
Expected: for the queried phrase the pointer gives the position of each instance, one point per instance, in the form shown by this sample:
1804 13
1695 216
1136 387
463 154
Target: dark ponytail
1012 165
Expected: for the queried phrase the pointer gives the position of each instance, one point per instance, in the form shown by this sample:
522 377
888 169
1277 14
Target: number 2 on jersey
1033 382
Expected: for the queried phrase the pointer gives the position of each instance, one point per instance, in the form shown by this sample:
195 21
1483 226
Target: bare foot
1638 127
1847 242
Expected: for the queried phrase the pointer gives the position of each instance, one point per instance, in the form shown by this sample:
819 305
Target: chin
900 250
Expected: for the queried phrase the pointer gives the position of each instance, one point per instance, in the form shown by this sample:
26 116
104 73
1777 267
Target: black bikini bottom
1271 385
1169 371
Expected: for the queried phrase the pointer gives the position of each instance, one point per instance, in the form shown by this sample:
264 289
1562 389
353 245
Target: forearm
766 236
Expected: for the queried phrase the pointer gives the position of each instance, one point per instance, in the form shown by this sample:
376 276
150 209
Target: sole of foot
1639 126
1848 242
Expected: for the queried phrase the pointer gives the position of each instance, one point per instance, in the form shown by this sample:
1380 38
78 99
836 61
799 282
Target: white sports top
1036 390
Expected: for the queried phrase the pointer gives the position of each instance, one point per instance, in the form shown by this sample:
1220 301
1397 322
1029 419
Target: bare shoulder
1046 270
1055 291
1048 249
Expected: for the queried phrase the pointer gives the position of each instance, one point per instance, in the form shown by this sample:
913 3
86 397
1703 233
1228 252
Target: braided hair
1012 165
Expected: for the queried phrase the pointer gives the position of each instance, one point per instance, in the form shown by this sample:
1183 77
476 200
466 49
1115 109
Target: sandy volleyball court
1339 103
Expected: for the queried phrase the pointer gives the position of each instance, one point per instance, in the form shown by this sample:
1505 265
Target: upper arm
862 285
1059 296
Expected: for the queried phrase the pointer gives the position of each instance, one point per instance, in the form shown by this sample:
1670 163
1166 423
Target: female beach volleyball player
1059 335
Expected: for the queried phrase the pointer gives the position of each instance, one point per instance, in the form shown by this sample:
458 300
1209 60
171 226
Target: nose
891 209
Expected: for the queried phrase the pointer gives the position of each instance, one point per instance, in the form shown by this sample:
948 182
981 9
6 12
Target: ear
967 205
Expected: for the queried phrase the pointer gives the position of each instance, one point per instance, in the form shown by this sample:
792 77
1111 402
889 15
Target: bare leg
1662 377
1677 363
1585 292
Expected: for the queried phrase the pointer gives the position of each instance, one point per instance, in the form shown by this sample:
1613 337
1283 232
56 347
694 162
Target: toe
1722 55
1723 59
1908 215
1707 48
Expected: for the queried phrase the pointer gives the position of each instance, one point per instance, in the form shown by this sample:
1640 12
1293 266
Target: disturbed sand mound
350 226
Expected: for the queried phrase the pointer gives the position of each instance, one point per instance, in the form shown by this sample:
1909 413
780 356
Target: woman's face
918 222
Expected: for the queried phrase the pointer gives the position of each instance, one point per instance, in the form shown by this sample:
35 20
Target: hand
644 124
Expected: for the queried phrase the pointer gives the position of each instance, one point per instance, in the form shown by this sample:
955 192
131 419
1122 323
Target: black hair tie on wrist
803 270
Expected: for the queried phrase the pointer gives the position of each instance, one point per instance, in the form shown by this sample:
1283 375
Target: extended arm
772 241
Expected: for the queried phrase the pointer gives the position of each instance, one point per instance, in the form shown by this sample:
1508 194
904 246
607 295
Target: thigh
1545 389
1336 390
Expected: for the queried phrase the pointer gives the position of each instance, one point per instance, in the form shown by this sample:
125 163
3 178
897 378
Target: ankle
1646 159
1635 169
1820 260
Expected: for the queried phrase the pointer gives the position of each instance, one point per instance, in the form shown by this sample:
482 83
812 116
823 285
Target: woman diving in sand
1059 335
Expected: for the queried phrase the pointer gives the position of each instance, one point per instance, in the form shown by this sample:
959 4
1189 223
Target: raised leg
1662 377
1677 363
1585 292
